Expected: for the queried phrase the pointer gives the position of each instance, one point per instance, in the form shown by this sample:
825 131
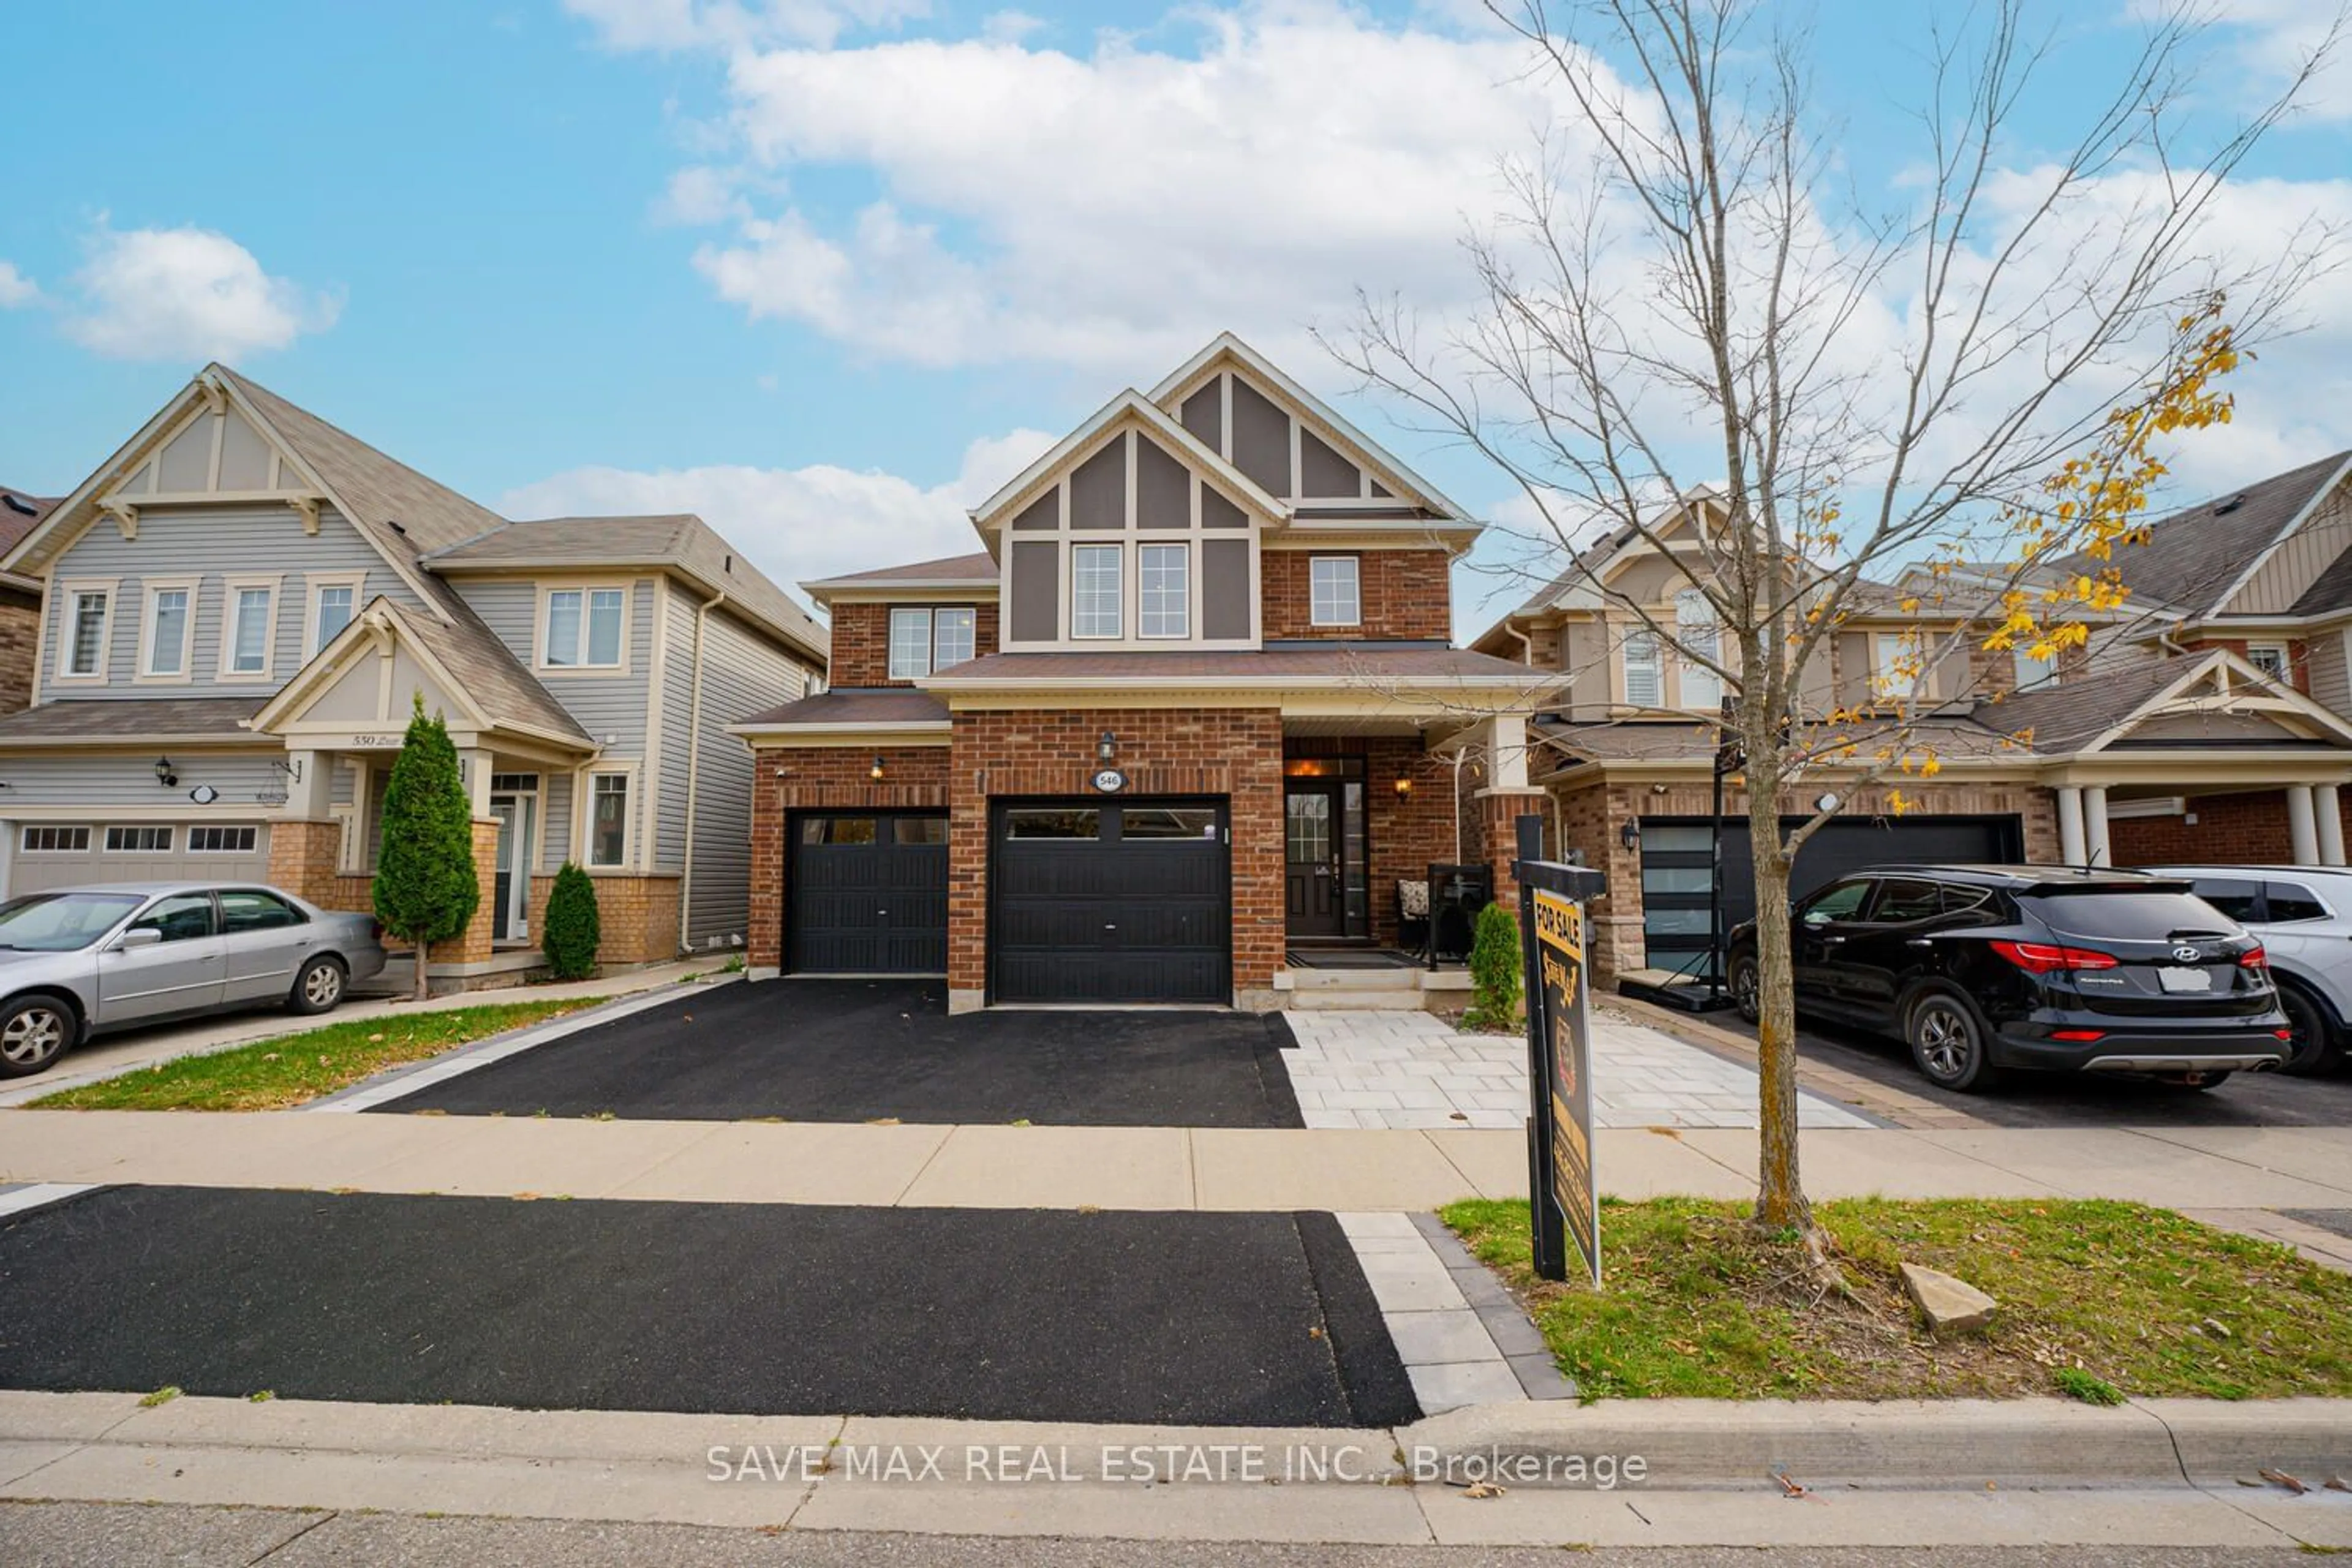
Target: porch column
1507 752
2069 825
476 765
309 785
2094 826
2302 827
2330 811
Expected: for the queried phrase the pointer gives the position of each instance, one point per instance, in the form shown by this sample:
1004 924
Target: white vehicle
2304 916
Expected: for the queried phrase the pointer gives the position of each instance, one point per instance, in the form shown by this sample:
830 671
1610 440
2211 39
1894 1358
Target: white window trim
1184 546
23 849
68 593
1888 684
585 588
1117 548
2285 671
1688 668
583 815
938 610
254 829
149 589
224 671
311 585
2020 658
890 641
1356 569
1655 664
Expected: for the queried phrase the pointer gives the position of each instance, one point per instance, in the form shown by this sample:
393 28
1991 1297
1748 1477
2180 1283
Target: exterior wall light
1630 836
1107 747
875 773
1403 786
166 774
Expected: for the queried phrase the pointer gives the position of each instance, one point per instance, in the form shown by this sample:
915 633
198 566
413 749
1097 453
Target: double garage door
73 855
1098 900
1675 868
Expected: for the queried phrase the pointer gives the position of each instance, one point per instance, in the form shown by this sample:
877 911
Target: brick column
305 857
472 945
1498 814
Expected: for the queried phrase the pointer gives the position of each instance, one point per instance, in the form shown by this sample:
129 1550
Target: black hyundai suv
1982 968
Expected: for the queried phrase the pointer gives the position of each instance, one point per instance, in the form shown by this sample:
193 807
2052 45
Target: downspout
1526 645
1458 753
693 771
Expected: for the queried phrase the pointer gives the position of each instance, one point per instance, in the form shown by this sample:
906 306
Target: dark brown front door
1311 843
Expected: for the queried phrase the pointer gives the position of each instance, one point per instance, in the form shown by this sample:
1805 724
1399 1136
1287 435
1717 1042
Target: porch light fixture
166 774
875 773
1630 836
1107 747
1403 786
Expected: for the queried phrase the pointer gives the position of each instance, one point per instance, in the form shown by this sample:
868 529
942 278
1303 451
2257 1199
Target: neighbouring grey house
241 605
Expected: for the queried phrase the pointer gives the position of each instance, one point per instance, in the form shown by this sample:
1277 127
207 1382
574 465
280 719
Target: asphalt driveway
855 1051
1192 1319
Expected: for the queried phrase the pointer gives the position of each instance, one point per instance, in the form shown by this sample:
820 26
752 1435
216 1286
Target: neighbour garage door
1112 901
73 854
869 893
1675 868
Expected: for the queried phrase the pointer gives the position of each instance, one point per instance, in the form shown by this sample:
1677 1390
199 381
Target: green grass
2097 1300
291 1069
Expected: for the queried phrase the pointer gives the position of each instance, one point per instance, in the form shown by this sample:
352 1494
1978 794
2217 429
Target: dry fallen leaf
882 1122
2281 1478
1790 1487
1482 1489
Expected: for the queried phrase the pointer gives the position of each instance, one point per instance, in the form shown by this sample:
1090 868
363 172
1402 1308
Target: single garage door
869 893
1099 900
1675 868
74 853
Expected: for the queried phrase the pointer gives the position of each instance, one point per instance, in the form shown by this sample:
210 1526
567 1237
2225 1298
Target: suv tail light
2042 957
2253 958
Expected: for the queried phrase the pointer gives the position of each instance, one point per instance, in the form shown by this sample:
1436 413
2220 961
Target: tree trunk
423 988
1781 1192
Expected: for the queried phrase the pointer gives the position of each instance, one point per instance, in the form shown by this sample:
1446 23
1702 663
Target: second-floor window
2032 671
86 633
335 610
1164 604
1644 684
583 628
2268 657
1096 596
1333 592
167 631
1898 669
252 610
924 639
1696 628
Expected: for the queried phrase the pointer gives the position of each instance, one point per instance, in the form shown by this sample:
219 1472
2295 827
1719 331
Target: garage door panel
868 895
36 872
1106 919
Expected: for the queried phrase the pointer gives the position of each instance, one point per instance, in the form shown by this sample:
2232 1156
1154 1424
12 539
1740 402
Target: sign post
1562 1199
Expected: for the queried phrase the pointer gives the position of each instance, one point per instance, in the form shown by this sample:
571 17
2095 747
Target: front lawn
2097 1299
269 1075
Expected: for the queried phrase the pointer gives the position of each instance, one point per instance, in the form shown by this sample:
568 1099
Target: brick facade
1233 752
1592 818
636 916
802 778
1405 834
1405 593
20 639
2228 830
861 638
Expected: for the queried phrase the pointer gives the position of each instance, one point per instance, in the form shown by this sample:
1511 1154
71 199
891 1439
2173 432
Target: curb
1944 1444
396 1083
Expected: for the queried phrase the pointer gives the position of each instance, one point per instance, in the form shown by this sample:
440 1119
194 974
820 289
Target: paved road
855 1051
2053 1099
84 1535
769 1308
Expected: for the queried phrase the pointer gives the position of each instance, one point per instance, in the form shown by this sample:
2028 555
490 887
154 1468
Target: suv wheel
1746 982
1948 1044
2314 1045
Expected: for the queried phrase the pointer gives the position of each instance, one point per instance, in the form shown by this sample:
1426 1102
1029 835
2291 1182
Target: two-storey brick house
1193 704
242 605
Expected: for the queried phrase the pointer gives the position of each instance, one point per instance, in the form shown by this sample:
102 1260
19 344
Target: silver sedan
76 961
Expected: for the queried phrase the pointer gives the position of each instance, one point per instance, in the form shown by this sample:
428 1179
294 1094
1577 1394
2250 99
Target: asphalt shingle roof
1337 662
947 568
2193 557
854 705
131 718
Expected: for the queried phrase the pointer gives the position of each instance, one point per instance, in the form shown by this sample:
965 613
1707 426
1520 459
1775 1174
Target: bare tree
1978 389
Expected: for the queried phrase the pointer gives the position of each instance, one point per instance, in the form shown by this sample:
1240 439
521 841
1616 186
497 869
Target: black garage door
869 893
1675 862
1101 900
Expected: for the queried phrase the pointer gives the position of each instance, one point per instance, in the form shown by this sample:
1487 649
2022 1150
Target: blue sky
823 269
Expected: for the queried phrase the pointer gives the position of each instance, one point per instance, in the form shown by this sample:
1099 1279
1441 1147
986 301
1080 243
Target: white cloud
798 524
698 24
186 293
2271 41
1113 210
699 195
15 288
1010 26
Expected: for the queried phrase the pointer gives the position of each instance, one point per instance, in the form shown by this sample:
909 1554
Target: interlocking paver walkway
1406 1070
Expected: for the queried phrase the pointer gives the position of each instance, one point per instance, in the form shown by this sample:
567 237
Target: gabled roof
2195 560
977 569
1128 405
1384 465
677 541
2098 709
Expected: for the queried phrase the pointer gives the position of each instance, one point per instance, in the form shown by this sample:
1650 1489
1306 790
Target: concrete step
1351 979
1386 999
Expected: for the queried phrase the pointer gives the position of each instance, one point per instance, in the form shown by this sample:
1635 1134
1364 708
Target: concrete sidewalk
2163 1473
1141 1167
112 1055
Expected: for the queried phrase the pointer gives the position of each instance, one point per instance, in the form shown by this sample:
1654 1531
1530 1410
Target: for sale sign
1561 1017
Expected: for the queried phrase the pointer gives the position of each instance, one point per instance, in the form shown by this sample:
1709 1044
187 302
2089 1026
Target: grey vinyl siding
2331 679
211 544
123 776
677 701
555 831
610 705
743 673
2297 562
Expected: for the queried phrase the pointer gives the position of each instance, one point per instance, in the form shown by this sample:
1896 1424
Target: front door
1311 878
510 897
